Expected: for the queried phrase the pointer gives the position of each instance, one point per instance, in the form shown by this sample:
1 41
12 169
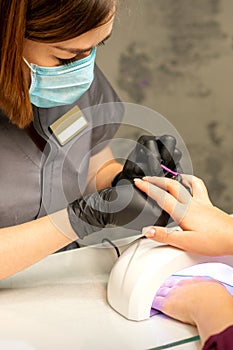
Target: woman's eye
64 61
101 43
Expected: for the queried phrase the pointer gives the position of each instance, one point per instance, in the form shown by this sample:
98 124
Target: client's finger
177 190
165 200
199 189
190 241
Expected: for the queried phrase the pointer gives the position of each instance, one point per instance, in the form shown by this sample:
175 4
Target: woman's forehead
86 41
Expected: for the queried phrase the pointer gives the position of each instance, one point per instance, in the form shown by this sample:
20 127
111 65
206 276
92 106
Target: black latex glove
147 157
123 206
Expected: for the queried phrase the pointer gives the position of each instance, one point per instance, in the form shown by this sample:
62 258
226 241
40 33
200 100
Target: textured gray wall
176 57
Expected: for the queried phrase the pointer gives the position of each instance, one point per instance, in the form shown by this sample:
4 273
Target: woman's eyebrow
78 51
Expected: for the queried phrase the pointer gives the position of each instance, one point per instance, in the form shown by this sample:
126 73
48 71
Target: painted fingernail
145 229
137 180
151 233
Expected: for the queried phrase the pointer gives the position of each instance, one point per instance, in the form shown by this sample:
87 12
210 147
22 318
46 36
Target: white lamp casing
142 269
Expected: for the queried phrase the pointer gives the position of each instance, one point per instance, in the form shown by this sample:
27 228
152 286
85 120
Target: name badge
69 125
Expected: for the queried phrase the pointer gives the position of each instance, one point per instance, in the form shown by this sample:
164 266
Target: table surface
61 303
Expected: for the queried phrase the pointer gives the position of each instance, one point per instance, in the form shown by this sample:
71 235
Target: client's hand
207 230
199 301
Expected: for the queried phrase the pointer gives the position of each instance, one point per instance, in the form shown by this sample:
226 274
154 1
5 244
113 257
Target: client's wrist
213 311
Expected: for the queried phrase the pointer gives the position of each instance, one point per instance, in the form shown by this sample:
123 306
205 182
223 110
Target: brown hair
42 21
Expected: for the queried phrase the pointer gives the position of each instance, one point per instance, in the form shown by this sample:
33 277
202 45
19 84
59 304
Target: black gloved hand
147 157
124 206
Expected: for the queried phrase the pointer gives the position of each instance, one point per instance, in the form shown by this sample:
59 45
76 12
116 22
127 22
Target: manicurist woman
57 115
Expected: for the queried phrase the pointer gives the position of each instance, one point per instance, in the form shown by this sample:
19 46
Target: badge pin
69 125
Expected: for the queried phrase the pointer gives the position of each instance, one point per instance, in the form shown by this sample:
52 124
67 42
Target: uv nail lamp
144 266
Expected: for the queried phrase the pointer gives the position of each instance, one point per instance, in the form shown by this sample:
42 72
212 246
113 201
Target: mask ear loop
29 66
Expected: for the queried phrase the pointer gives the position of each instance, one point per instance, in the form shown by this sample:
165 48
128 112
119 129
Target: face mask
62 85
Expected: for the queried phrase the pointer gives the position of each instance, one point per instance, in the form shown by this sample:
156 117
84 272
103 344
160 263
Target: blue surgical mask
62 85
